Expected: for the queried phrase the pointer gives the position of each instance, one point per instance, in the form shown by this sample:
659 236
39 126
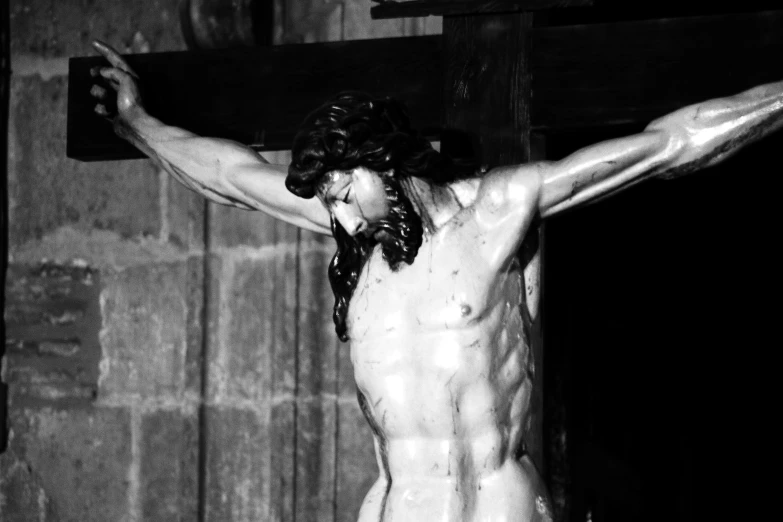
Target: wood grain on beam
414 8
611 11
257 96
633 72
487 85
583 76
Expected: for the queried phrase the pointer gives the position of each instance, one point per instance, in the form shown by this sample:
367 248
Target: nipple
465 310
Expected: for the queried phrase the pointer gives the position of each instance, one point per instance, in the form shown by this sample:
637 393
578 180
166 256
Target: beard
399 235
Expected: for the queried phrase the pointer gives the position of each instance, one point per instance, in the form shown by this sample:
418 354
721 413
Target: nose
359 227
352 223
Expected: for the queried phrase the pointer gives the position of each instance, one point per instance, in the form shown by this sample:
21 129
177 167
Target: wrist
131 122
133 116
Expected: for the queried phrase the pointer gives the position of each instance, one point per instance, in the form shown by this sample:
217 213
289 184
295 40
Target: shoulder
505 205
514 188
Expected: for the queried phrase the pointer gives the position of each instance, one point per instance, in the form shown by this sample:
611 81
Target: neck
435 204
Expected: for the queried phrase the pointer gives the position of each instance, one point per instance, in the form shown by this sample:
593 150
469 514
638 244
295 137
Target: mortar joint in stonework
266 252
26 65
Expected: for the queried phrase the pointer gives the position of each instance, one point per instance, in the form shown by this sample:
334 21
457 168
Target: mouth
381 236
369 232
376 233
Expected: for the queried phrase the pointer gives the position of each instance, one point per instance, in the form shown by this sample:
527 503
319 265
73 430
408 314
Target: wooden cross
493 74
582 75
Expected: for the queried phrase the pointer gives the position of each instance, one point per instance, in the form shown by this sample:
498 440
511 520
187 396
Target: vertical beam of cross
487 83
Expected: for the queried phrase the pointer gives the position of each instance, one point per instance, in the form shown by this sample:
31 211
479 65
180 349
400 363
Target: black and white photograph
390 260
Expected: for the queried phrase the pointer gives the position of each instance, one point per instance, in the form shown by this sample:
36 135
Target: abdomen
449 396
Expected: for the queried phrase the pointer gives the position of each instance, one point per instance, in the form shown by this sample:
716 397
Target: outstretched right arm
222 170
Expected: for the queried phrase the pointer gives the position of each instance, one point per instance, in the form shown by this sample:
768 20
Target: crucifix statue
429 289
427 285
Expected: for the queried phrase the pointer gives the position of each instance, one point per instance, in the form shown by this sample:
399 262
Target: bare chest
447 288
443 333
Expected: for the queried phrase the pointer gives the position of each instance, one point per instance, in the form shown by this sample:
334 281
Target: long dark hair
355 129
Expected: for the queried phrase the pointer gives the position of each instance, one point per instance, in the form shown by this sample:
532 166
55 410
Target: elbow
225 183
674 142
528 188
226 177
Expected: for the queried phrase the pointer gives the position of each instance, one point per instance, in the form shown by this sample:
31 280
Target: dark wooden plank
583 76
486 67
579 12
414 8
610 11
594 75
258 96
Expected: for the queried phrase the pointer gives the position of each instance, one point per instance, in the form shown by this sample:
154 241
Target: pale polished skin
440 349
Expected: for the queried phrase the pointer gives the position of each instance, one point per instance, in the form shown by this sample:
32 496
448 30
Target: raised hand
123 80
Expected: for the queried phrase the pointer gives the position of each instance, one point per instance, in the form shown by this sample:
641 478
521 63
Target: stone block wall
166 359
104 294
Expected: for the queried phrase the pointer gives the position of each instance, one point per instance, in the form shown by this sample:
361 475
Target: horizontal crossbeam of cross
582 76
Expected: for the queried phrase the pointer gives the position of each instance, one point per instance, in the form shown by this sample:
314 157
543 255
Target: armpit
506 205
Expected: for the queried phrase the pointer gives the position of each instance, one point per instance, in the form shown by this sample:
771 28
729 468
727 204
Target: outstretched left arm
689 139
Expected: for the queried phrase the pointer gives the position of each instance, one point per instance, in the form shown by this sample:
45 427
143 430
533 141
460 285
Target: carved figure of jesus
428 287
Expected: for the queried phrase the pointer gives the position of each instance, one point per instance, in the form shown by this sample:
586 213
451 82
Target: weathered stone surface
252 326
52 318
316 429
46 190
146 311
169 466
194 325
346 383
233 227
22 497
184 214
421 26
53 28
357 469
81 458
309 21
282 475
103 250
318 342
358 25
239 475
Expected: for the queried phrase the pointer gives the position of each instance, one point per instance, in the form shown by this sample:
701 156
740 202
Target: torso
442 364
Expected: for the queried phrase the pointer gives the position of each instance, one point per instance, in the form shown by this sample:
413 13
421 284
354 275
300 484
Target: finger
100 109
98 92
113 56
115 76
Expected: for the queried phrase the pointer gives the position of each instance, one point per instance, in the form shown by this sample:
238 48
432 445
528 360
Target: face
357 199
